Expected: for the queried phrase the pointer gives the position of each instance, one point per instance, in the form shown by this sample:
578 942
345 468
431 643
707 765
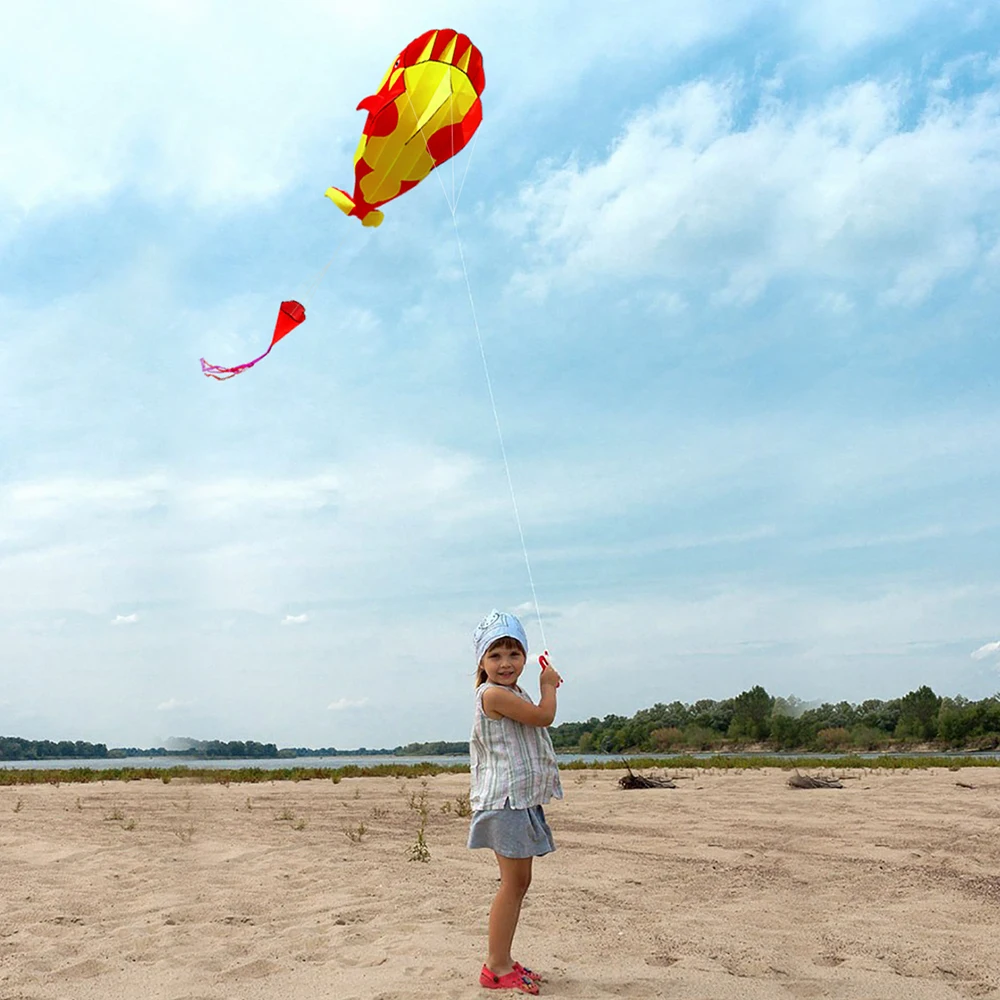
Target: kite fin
372 103
341 199
347 205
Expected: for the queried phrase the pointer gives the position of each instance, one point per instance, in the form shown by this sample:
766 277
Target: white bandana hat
498 625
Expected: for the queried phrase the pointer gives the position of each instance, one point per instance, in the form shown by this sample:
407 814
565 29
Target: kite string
452 204
468 163
496 420
309 288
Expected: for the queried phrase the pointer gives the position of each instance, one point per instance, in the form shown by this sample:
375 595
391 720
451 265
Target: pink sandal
514 980
527 973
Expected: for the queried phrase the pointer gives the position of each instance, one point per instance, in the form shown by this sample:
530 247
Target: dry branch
809 781
631 780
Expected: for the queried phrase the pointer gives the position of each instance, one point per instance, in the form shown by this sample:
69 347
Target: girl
513 772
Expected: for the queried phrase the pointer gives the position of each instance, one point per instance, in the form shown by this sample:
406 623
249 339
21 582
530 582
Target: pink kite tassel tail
290 316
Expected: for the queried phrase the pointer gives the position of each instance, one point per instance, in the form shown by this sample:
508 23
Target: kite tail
220 374
347 205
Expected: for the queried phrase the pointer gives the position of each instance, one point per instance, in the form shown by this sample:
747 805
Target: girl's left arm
500 701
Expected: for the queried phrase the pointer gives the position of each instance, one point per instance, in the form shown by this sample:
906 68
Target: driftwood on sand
810 781
631 780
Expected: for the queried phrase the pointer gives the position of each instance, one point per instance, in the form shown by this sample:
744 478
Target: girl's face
503 666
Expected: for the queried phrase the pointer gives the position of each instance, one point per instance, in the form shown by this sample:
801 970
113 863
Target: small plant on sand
418 803
249 804
129 824
357 793
378 813
165 778
419 850
354 834
19 805
116 815
462 807
299 824
79 803
285 814
184 834
446 807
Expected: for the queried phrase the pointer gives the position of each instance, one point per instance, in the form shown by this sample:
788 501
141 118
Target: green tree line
756 717
15 748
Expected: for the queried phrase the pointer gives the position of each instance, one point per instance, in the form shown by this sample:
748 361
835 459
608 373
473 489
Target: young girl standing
513 773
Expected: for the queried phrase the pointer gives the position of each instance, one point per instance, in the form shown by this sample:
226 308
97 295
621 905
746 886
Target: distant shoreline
117 758
239 772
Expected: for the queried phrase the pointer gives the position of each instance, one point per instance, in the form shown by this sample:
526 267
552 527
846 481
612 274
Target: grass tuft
419 850
354 834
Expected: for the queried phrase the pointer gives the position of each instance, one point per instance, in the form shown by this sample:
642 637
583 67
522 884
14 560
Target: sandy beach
732 885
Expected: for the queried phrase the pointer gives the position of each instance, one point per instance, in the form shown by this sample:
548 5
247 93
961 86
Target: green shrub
835 738
665 738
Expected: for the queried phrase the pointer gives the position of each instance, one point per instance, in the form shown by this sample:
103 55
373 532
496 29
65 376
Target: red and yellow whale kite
426 109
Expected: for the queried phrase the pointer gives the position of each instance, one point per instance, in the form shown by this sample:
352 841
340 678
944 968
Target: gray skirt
512 833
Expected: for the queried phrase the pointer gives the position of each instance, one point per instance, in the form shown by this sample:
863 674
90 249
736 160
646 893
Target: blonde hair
504 642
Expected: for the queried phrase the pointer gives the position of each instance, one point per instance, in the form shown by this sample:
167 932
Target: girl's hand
549 675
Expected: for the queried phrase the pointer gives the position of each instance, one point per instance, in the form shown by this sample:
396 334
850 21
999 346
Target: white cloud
251 540
125 619
814 626
990 649
53 499
153 82
171 704
295 619
344 703
836 25
266 98
270 542
839 192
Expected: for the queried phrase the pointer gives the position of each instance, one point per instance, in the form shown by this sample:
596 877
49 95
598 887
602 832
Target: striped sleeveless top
509 760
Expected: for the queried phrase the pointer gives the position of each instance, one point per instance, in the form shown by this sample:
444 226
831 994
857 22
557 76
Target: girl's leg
515 877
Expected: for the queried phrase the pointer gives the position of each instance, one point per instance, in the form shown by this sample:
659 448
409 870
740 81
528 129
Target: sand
730 886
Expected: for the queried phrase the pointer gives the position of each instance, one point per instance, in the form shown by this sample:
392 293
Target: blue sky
737 271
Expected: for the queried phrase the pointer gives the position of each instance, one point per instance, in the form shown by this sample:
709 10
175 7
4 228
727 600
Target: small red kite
290 316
